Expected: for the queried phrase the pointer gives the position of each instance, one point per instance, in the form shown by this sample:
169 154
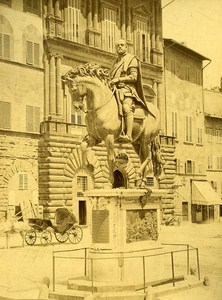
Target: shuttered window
32 118
4 45
5 115
74 11
109 29
32 6
32 53
188 127
23 181
141 40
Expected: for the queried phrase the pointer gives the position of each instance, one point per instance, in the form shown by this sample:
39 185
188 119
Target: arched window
32 43
119 180
6 38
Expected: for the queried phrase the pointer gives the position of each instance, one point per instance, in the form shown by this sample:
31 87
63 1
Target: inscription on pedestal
100 226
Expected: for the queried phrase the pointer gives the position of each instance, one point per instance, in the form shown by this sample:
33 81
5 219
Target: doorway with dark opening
119 180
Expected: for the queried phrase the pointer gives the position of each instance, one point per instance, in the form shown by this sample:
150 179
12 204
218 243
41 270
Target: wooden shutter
5 115
29 54
6 46
36 54
29 118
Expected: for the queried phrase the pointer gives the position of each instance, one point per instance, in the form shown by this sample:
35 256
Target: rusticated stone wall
60 158
19 153
168 179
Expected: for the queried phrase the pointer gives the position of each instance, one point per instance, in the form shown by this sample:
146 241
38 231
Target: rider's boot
129 128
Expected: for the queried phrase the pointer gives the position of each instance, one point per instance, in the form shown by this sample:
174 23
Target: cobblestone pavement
208 239
22 268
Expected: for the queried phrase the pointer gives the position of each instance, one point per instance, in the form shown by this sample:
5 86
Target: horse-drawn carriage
64 229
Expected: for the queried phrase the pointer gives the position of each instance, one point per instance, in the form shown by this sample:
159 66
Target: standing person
126 76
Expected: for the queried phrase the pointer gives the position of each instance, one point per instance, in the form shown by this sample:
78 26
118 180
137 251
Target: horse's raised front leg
109 142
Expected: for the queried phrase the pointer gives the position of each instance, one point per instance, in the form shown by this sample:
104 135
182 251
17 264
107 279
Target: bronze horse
91 84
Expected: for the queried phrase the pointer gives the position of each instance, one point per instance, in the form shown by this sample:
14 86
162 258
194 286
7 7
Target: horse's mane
88 69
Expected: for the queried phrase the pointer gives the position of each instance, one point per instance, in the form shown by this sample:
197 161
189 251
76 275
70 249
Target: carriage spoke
30 237
46 238
75 234
62 238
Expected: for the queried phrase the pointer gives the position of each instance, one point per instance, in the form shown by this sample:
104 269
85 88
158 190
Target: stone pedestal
125 228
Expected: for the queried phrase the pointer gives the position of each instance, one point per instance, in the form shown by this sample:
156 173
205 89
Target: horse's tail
157 159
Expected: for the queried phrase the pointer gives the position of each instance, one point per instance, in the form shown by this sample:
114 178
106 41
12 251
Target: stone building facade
21 105
186 120
41 42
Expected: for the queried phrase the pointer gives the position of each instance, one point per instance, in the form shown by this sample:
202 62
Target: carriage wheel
62 238
46 238
75 234
30 237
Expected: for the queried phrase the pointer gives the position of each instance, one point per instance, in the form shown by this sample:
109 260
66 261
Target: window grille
23 181
5 115
150 181
82 185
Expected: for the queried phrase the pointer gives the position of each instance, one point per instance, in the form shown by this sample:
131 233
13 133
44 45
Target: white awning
204 194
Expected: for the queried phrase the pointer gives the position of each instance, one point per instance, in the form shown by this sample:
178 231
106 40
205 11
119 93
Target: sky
198 23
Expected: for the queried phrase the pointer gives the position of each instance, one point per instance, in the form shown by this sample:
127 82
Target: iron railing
86 259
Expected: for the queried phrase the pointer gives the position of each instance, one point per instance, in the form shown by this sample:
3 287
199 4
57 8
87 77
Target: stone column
128 21
59 100
50 7
153 29
52 99
46 87
95 16
89 14
123 20
57 10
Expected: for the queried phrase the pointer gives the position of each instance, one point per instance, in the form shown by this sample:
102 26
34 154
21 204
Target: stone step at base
70 295
79 295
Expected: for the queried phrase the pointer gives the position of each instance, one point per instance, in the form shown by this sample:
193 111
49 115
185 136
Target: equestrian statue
116 110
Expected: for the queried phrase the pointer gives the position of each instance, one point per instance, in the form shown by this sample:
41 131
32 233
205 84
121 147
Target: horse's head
85 80
77 90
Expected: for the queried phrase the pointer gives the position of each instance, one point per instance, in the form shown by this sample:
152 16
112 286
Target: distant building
194 197
213 131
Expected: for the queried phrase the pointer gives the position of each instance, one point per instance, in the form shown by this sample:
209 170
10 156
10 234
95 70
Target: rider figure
126 76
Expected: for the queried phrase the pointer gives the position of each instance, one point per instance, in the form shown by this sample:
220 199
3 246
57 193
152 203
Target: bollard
206 281
44 288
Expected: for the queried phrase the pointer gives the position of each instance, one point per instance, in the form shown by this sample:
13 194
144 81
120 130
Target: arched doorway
119 180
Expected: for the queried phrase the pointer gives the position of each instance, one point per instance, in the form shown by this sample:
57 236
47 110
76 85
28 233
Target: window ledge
199 144
188 143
